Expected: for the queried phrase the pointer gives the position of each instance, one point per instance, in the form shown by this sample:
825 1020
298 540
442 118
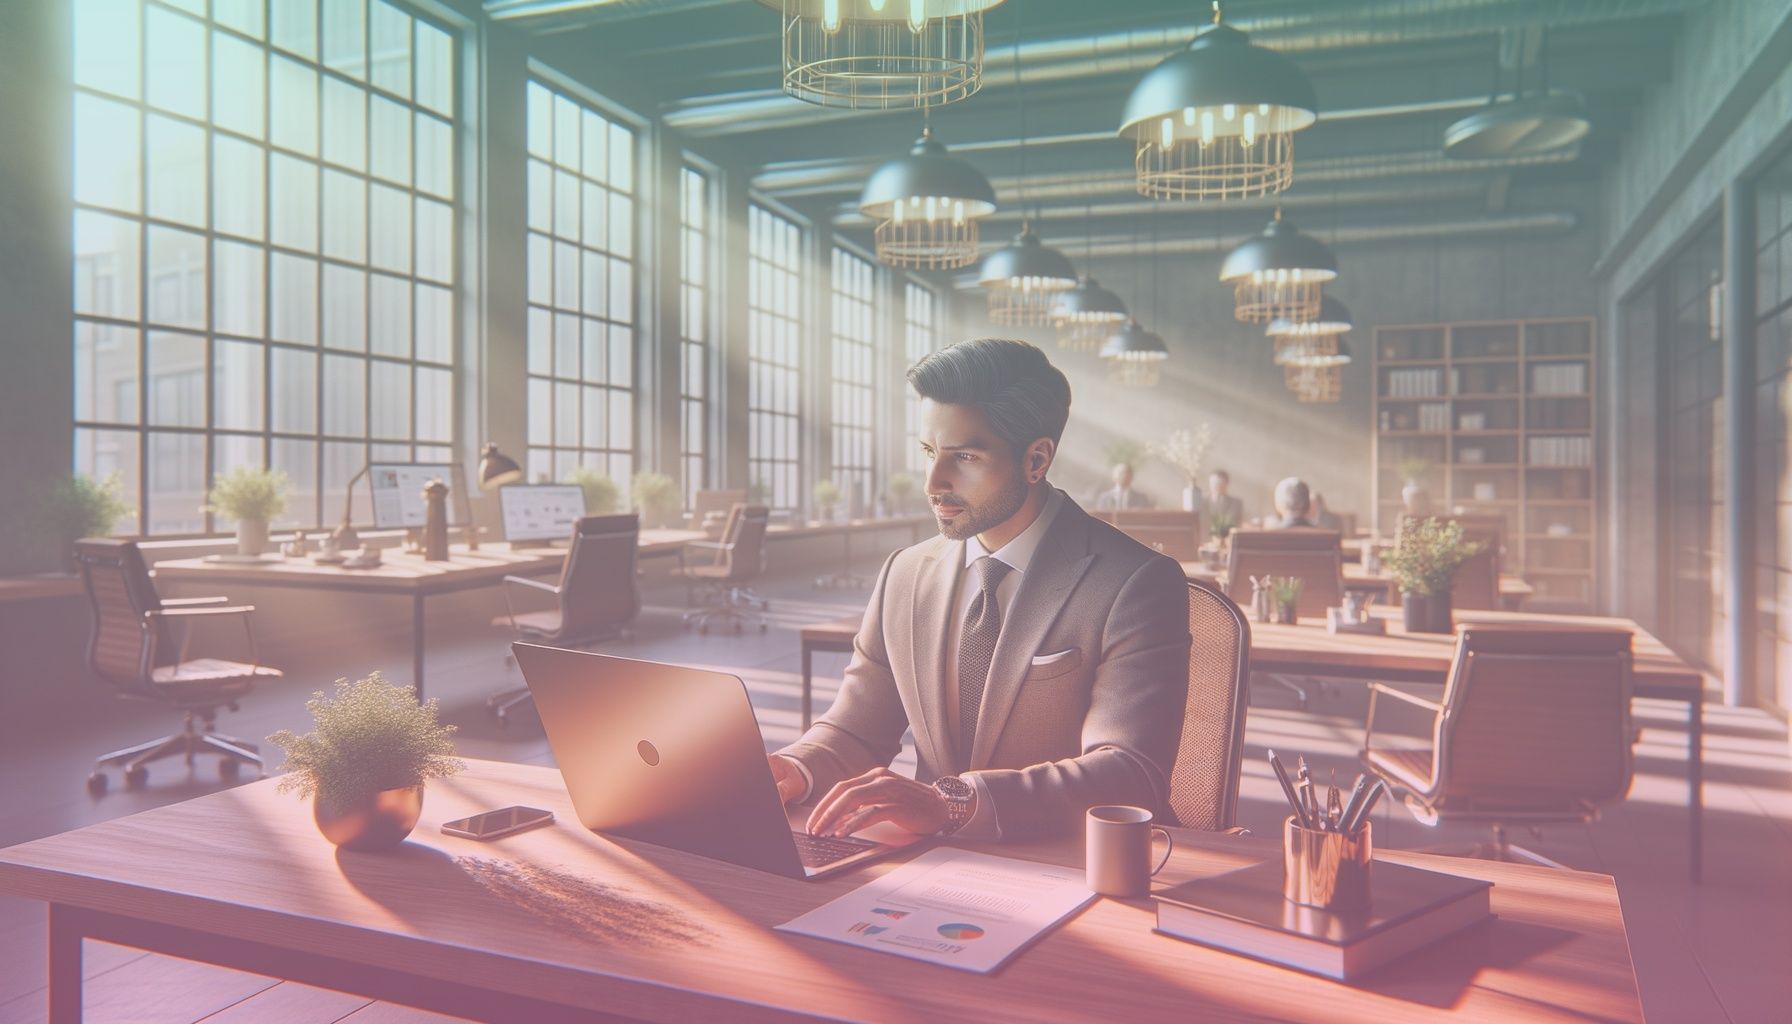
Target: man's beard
976 519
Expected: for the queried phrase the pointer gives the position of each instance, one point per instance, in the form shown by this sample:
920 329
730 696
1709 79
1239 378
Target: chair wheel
96 783
229 767
137 777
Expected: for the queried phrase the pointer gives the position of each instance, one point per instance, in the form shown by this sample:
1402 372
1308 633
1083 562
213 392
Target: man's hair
1291 494
1223 475
1016 388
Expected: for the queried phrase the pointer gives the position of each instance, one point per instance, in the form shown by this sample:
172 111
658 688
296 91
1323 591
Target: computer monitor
398 492
536 513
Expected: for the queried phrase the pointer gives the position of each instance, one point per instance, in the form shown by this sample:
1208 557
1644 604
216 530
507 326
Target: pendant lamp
1134 355
1333 319
1314 384
1278 274
1024 279
1086 315
882 54
1217 120
926 206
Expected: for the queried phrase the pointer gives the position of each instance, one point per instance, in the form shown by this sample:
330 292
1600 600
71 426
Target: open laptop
672 756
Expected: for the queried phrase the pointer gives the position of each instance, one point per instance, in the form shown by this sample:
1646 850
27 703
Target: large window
264 246
1773 416
920 335
695 251
854 392
774 359
581 288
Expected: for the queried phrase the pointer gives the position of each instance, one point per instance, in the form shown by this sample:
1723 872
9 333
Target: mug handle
1169 845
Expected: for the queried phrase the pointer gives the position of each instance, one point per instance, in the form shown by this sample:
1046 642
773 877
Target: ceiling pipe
1326 26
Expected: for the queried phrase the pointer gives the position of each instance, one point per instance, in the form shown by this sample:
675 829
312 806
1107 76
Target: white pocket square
1053 659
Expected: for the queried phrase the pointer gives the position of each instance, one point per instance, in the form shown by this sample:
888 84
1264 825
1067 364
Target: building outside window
774 359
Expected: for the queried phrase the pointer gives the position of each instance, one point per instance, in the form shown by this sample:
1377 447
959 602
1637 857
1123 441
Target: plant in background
1413 468
248 493
827 495
371 736
1222 526
1124 452
79 506
1426 554
1285 592
758 493
1184 451
901 487
602 496
656 497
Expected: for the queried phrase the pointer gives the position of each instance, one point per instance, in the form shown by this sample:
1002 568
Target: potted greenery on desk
657 499
602 496
1422 563
365 764
252 496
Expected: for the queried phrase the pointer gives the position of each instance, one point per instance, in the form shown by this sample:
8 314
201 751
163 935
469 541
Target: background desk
1513 589
241 878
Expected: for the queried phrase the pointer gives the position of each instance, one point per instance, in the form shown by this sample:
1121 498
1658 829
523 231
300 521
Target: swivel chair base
234 753
740 606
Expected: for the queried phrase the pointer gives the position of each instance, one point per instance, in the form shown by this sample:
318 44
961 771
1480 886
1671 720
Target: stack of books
1244 912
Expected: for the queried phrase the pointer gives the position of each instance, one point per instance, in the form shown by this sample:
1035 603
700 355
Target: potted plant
1222 526
79 506
1422 562
656 498
1284 592
250 495
1184 452
1413 494
365 765
759 493
901 488
827 496
602 496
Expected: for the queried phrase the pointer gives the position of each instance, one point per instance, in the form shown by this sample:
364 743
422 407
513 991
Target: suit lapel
935 584
1059 563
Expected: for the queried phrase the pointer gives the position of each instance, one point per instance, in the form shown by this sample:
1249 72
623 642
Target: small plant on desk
827 497
656 497
365 764
1285 592
1422 563
1222 526
252 496
602 496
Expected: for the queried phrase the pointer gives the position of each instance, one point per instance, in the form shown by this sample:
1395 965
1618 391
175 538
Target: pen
1307 803
1300 814
1355 801
1362 815
1334 809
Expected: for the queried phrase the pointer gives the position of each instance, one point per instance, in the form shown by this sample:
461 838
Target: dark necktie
976 646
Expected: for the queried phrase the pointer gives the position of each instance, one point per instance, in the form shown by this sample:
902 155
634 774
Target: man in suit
1221 505
1121 495
1039 655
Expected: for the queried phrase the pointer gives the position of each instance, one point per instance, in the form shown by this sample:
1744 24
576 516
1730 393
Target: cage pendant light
1217 120
1134 356
1087 315
1278 275
1024 279
1314 384
882 54
926 206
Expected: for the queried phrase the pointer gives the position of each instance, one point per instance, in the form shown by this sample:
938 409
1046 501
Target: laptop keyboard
820 851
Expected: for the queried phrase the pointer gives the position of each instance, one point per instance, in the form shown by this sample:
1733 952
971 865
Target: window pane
597 364
541 409
435 241
566 205
541 269
107 47
391 306
597 216
237 385
595 284
622 224
622 355
293 389
345 396
236 199
237 306
391 229
298 460
294 219
176 483
435 324
391 405
540 342
345 216
176 380
345 124
389 42
107 144
105 373
435 405
435 69
107 281
176 71
176 179
435 156
540 127
596 139
101 453
295 27
345 36
391 141
345 308
177 275
242 15
294 299
622 158
566 276
595 418
566 414
541 196
238 78
566 133
294 87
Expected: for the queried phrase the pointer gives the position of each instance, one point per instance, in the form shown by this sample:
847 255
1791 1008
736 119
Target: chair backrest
1204 777
744 541
1174 532
1535 717
598 587
1476 584
705 502
124 645
1312 554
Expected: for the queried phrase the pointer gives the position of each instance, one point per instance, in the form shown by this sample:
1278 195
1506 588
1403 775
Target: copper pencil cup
1326 869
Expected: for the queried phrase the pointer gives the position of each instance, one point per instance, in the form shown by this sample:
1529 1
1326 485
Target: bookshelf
1503 412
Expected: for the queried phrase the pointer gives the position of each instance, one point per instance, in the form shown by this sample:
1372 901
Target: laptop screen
534 512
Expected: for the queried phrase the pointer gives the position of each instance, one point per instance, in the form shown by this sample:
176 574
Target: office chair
1204 776
736 560
721 502
132 648
1315 556
1172 531
598 595
1476 583
1534 727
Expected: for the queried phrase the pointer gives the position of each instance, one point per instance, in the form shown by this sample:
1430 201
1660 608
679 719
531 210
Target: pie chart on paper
961 932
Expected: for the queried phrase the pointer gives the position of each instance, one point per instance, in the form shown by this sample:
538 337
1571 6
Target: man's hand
879 795
789 779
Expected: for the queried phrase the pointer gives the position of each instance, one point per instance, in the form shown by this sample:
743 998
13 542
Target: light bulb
877 5
930 209
1188 116
1169 133
1228 111
1250 128
1263 108
830 16
898 214
917 15
1206 127
958 212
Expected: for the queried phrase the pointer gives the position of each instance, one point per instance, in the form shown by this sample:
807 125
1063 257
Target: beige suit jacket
1085 693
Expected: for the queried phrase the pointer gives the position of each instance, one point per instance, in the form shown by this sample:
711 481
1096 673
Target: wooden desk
40 585
833 635
1513 589
1306 648
242 878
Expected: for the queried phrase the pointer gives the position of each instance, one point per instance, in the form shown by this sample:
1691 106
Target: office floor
1715 952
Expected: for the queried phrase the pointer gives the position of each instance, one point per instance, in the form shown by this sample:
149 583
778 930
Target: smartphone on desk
492 824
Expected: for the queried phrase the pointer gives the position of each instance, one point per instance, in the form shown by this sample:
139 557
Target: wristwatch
960 801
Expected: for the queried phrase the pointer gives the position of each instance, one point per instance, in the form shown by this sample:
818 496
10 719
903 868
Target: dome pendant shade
926 206
1333 319
1217 120
1024 280
1134 355
1278 275
1527 126
882 54
1086 315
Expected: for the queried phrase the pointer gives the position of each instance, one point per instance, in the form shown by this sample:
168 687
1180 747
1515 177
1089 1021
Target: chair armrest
524 581
1411 698
192 613
193 602
708 545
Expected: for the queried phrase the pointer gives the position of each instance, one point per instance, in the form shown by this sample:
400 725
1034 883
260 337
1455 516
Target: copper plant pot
378 821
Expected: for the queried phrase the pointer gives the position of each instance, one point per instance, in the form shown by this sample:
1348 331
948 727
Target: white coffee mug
1117 856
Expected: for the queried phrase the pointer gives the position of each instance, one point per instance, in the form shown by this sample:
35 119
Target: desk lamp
346 537
495 470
